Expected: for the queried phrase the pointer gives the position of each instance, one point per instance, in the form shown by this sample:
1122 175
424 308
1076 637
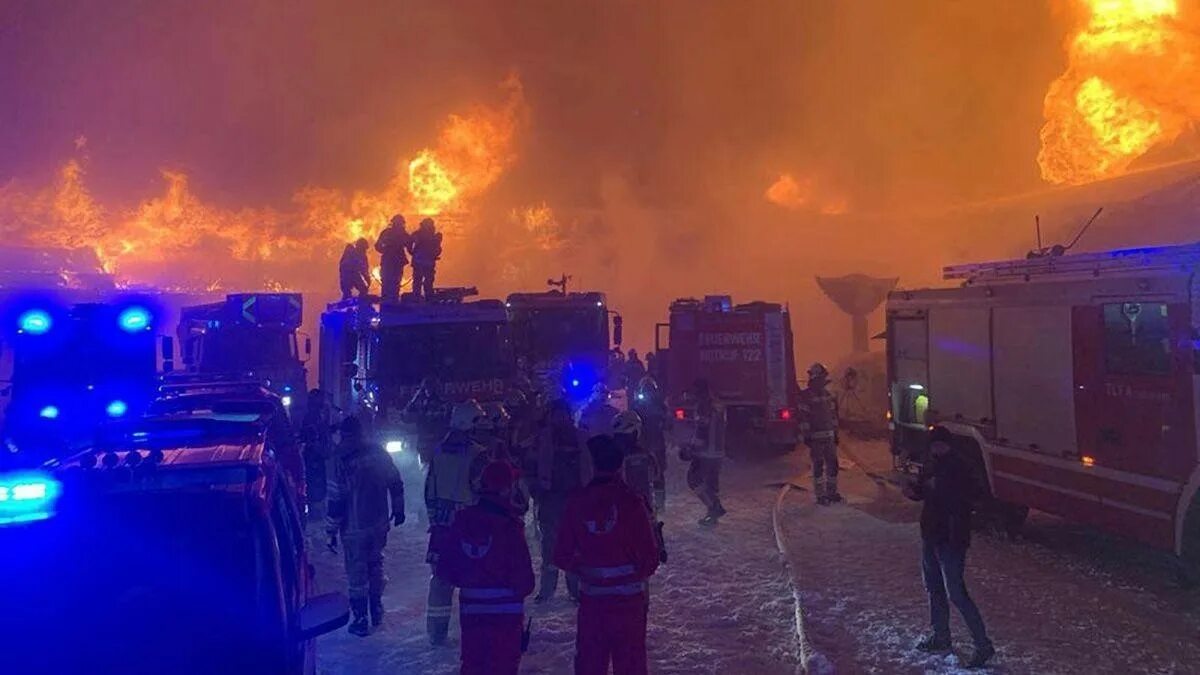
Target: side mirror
618 330
308 346
168 353
322 614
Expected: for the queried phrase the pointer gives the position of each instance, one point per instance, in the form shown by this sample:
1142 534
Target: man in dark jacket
354 270
946 485
392 247
426 250
363 481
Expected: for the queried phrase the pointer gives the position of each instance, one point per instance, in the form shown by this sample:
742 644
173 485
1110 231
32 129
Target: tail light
680 414
785 414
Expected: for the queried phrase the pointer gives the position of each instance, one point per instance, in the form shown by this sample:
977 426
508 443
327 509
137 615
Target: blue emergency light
49 412
134 319
35 322
116 408
27 497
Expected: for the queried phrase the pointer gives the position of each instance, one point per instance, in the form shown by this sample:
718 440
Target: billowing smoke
633 145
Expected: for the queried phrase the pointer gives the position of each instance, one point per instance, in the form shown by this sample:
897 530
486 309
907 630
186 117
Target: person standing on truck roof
490 566
705 455
354 270
606 538
426 249
946 486
561 464
363 479
819 428
650 405
450 486
392 246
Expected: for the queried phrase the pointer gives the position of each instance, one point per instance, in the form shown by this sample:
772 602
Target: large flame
472 151
1132 84
802 194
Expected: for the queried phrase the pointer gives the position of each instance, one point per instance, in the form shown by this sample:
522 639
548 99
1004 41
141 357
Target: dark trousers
550 507
704 478
364 564
943 566
823 452
391 273
351 283
611 632
423 281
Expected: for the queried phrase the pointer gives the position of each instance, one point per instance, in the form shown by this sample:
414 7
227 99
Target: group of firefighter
396 245
595 477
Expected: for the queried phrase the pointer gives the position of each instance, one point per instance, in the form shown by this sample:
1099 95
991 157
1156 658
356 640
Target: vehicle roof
554 299
412 314
724 305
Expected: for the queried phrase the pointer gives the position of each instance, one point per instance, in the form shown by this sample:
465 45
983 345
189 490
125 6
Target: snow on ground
1062 599
722 604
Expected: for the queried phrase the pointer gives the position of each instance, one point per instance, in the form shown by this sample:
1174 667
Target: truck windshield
237 347
546 334
135 582
449 352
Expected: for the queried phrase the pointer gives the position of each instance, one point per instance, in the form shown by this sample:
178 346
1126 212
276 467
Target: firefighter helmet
627 422
818 371
647 388
397 220
466 416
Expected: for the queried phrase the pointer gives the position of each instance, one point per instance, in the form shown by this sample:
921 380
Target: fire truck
563 338
374 356
248 335
73 367
1071 379
744 353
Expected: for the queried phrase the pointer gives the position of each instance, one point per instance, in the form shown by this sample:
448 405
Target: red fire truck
1074 378
744 352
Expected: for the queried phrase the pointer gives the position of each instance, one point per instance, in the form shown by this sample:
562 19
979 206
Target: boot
573 588
934 644
831 491
718 507
359 625
376 610
981 656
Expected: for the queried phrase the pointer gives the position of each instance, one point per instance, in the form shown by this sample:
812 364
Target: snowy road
1062 599
722 604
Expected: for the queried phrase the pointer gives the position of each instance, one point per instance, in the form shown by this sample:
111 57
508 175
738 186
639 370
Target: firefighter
354 270
640 470
635 370
818 427
450 486
429 411
606 538
392 246
363 479
649 403
316 431
489 563
560 469
705 454
596 416
426 248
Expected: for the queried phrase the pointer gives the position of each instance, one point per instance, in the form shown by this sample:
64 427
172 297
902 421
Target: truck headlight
287 401
394 447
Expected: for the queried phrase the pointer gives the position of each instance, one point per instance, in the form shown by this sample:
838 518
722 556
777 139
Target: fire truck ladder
1094 264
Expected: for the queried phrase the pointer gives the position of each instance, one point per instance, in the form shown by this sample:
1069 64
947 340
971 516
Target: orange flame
1131 85
798 194
540 221
473 151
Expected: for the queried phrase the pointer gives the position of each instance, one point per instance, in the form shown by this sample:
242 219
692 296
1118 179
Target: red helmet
497 478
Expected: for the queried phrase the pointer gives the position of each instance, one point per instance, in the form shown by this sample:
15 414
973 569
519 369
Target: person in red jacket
489 563
605 538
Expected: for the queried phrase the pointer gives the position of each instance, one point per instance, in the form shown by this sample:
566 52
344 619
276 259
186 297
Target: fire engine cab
1073 378
744 352
374 357
563 337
